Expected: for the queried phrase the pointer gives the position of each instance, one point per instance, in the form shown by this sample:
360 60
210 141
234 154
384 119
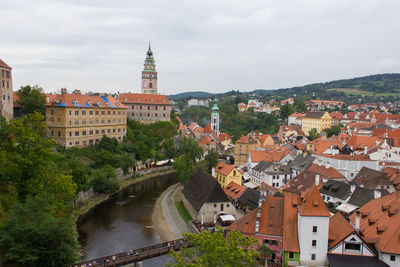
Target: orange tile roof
271 219
299 115
313 205
336 114
4 65
82 101
206 140
264 137
224 168
339 229
380 223
224 136
359 142
208 129
394 176
268 156
290 235
130 98
234 190
192 126
322 170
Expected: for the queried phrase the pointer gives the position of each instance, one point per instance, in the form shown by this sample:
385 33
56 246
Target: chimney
377 194
357 223
365 150
316 179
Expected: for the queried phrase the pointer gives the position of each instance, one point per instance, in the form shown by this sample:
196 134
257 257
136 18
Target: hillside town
311 201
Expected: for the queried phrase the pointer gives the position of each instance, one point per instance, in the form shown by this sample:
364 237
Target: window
291 255
70 113
314 229
52 112
113 112
274 243
76 122
76 112
114 130
91 132
108 130
266 241
314 243
91 113
313 257
70 133
215 205
392 258
96 112
83 122
83 132
103 112
108 112
59 134
76 133
352 246
83 112
103 131
97 131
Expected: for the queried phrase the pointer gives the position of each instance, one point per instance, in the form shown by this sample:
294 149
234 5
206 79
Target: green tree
28 155
299 104
35 236
213 249
313 134
286 110
211 160
334 130
184 168
31 98
105 180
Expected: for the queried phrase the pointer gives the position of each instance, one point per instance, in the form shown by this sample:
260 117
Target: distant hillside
198 94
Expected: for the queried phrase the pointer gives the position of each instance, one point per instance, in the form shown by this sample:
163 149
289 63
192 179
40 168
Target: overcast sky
209 45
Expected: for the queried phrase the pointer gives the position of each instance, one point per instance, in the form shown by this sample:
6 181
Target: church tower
215 119
149 75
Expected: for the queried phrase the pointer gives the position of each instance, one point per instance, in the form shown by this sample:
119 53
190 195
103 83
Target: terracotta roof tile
130 98
224 168
339 229
313 205
290 235
324 171
4 65
82 101
379 222
233 190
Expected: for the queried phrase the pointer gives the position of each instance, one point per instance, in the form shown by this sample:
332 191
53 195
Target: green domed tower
215 118
149 74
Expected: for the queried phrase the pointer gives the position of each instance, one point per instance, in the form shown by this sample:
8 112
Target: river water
119 224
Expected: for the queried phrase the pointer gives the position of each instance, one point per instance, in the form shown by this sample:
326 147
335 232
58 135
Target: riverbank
98 199
166 218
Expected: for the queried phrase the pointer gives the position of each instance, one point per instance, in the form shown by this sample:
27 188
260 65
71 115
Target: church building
149 75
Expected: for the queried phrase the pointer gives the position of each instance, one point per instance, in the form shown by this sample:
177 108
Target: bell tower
215 118
149 74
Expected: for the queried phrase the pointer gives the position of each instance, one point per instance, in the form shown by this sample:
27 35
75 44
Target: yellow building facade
242 148
81 120
226 173
318 120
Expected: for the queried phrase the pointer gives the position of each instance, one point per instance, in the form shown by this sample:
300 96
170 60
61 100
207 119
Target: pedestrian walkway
171 214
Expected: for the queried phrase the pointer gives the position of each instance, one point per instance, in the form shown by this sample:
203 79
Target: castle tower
6 91
215 118
149 74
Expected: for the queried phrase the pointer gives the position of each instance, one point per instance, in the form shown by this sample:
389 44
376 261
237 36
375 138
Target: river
119 224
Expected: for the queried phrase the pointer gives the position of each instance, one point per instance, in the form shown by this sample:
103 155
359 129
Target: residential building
146 108
6 91
317 119
295 119
197 102
82 120
226 173
204 198
243 146
378 221
271 173
313 229
149 74
372 179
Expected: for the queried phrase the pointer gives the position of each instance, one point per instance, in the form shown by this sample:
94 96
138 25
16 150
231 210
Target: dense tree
213 249
299 104
211 160
35 236
334 130
313 134
188 153
31 98
105 180
184 168
286 110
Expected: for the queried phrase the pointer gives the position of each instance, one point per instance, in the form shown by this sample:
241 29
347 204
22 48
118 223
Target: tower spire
149 45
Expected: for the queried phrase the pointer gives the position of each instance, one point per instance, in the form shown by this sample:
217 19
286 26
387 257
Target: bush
105 180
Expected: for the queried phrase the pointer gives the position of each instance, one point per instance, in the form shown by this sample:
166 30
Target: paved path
171 214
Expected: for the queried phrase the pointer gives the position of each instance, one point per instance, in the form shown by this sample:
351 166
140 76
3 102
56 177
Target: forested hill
378 83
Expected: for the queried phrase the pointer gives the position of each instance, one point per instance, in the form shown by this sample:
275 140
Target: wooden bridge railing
135 255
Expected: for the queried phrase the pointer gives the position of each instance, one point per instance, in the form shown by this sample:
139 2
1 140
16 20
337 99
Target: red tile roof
224 168
233 190
82 101
313 205
324 171
224 136
359 142
290 235
4 65
130 98
339 229
206 140
271 219
380 223
208 130
273 155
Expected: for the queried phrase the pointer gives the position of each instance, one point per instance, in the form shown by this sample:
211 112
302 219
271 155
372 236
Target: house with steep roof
227 173
205 199
372 179
379 225
301 162
270 173
291 254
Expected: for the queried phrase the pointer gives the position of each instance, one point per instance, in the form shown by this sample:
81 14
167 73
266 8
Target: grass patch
183 211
